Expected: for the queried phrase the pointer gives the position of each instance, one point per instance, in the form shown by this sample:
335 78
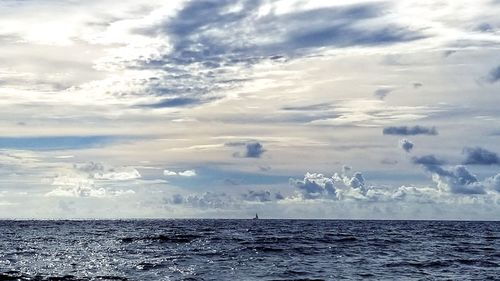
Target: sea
249 250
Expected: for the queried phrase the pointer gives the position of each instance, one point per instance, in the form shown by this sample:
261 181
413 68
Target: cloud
337 187
196 22
92 179
485 27
382 93
480 156
430 162
254 150
387 161
174 102
209 41
186 173
265 168
493 182
458 180
406 145
315 186
417 85
77 190
99 171
258 196
169 173
311 107
410 131
207 200
494 75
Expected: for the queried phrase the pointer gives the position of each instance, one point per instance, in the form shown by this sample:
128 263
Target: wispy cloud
410 131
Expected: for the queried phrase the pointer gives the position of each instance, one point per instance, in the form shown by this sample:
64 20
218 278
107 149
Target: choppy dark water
249 250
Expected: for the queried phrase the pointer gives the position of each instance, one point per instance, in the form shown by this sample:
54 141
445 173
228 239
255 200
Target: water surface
249 250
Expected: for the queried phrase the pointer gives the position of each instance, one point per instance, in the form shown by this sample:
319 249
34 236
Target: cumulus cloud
99 171
186 173
73 186
493 183
169 173
91 179
315 186
410 131
81 187
212 200
406 145
480 156
457 180
340 186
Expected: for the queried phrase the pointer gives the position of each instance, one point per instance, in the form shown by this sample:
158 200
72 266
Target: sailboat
256 217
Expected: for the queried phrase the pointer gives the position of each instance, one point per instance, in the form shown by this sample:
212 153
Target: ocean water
249 250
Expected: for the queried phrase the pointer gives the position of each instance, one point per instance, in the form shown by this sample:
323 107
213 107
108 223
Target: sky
343 109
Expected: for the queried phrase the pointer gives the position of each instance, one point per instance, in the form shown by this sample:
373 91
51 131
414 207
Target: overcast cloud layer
215 108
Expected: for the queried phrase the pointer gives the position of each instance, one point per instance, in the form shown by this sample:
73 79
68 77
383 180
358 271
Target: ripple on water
248 250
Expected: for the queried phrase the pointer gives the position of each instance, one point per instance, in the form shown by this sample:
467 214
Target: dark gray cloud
494 75
278 196
357 181
262 196
202 57
410 131
258 196
480 156
173 102
427 160
265 168
456 179
484 27
459 180
254 150
448 53
382 93
406 145
305 29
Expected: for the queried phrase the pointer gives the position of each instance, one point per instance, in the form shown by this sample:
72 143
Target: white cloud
186 173
169 173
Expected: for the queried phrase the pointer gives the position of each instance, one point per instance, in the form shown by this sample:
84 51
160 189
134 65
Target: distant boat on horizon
256 217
